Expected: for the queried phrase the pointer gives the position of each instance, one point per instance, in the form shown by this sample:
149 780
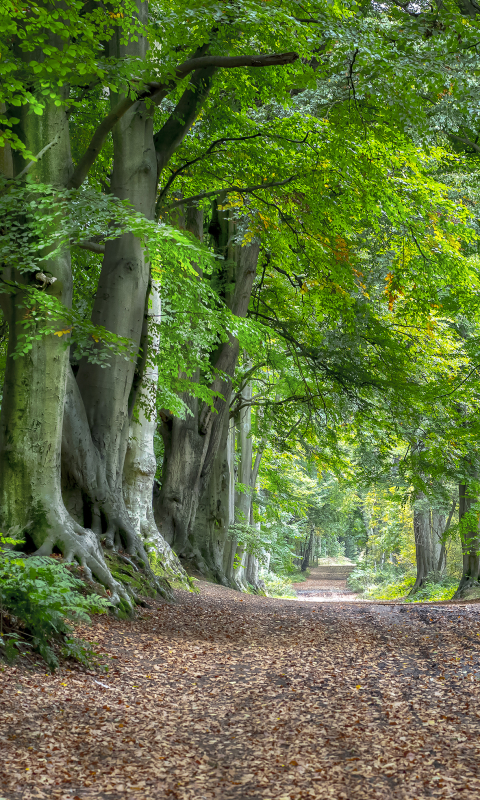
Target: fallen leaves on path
242 697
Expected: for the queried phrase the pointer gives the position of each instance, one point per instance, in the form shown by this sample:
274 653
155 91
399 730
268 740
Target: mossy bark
97 461
470 537
35 382
43 411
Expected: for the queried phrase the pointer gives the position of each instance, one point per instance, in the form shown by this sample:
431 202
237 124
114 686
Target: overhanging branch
93 247
155 92
466 141
232 62
238 189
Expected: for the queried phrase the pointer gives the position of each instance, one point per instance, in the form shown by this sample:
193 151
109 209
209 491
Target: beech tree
245 121
98 403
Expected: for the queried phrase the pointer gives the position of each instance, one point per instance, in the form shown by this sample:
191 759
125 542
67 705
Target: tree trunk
470 536
98 414
140 464
243 497
43 414
212 547
438 522
367 521
34 388
423 543
192 444
247 475
120 306
308 552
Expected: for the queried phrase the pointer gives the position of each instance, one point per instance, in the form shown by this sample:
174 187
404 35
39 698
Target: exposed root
81 544
469 588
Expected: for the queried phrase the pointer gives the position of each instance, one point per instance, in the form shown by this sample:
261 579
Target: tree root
82 545
468 588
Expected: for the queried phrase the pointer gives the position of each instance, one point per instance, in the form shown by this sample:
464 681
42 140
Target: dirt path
236 697
325 584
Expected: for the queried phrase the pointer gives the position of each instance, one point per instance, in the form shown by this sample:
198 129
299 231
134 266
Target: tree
320 251
98 402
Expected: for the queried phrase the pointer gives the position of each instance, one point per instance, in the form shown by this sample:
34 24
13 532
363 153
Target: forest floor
225 696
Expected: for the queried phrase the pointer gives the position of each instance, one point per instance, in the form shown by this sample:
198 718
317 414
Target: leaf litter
237 698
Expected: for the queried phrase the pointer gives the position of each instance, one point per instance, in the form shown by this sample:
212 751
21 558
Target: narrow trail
237 697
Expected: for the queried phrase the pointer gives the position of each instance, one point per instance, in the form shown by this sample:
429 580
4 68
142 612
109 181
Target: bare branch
193 161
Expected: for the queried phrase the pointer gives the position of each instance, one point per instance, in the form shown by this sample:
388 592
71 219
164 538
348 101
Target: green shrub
387 583
442 589
392 582
294 576
42 594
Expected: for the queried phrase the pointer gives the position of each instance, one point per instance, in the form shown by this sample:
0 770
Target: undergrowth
173 580
393 583
39 598
297 577
277 585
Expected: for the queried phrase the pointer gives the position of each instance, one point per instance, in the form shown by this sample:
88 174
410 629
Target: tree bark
424 552
41 417
192 444
243 499
35 384
212 548
120 305
308 552
140 462
107 452
470 537
438 523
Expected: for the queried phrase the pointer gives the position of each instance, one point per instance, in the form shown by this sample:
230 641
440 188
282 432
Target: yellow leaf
61 333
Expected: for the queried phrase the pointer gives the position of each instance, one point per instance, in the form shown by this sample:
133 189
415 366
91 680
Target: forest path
327 583
227 696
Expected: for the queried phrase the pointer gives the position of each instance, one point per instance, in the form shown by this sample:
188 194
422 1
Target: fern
46 598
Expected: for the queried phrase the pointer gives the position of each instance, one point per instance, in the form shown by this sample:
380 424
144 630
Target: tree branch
92 246
232 62
464 140
193 161
39 155
173 132
238 189
157 91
